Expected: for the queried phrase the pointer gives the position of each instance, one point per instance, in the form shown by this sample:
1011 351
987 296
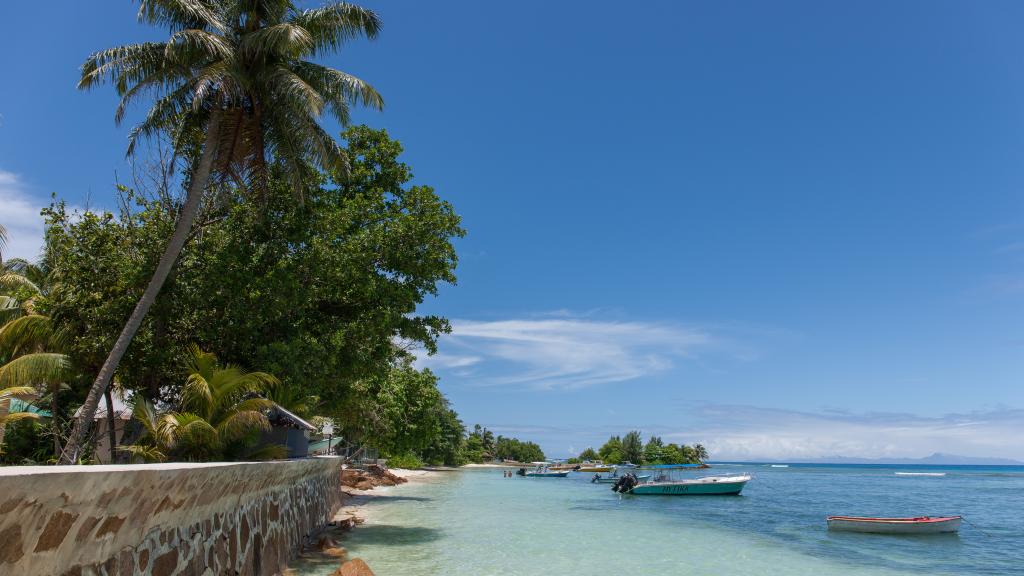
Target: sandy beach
357 506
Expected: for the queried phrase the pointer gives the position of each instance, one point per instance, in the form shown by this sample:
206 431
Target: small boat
542 471
595 468
708 485
919 525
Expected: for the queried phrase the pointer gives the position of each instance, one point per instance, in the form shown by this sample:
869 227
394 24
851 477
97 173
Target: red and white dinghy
919 525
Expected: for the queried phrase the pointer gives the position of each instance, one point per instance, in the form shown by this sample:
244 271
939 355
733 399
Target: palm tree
19 284
220 413
28 339
6 395
28 343
700 452
238 72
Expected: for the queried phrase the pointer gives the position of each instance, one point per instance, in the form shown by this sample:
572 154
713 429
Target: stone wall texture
163 519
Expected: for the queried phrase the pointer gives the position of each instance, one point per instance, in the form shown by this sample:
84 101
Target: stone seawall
163 519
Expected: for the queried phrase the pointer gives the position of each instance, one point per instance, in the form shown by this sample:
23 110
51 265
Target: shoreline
355 509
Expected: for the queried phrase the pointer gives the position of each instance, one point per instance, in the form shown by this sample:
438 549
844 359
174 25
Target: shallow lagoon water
477 522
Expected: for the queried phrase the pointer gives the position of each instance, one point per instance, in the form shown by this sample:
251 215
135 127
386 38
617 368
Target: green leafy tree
588 455
611 451
398 412
447 445
518 450
671 454
473 449
654 451
632 447
233 83
336 280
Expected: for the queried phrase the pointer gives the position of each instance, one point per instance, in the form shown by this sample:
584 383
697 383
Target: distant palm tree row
631 448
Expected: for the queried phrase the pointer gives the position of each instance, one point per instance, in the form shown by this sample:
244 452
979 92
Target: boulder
354 567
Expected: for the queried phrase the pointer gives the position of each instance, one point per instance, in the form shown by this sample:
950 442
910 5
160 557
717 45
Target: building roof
19 405
281 415
122 411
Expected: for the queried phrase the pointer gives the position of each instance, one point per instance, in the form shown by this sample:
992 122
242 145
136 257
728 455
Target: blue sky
786 229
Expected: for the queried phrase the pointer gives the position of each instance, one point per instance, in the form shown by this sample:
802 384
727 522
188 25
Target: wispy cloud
747 432
19 213
565 352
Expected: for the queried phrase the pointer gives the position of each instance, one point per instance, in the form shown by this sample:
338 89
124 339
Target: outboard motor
521 472
595 478
626 483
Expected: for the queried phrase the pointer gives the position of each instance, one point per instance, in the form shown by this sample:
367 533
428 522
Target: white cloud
733 432
19 213
564 352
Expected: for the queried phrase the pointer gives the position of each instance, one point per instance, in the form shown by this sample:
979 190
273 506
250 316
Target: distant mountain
936 459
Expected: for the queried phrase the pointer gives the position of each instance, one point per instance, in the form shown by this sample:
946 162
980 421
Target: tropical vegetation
248 236
630 448
236 91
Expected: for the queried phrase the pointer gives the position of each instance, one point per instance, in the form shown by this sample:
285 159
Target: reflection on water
478 522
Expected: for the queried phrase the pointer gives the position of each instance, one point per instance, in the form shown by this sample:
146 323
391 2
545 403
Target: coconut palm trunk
182 228
108 398
54 424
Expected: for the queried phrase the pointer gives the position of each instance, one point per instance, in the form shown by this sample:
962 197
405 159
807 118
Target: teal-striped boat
706 486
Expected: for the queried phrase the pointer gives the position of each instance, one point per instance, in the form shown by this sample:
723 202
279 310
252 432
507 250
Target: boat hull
547 474
592 469
701 487
922 525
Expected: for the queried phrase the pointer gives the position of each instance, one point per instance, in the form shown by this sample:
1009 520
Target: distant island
936 459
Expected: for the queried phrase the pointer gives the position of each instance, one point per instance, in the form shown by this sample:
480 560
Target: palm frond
29 332
196 436
333 25
284 41
192 45
10 280
338 89
253 405
241 424
164 113
148 454
39 369
198 394
18 417
288 89
20 392
180 14
10 308
124 65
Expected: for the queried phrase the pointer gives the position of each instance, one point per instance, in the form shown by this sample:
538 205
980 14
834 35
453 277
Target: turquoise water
477 522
